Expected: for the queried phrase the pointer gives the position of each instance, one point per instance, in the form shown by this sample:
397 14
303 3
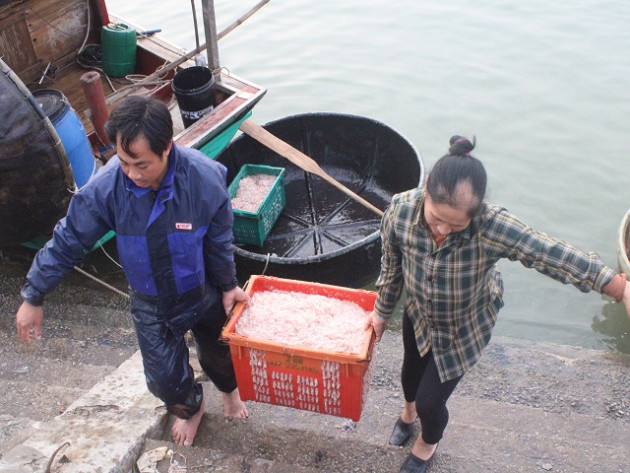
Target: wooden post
95 98
212 43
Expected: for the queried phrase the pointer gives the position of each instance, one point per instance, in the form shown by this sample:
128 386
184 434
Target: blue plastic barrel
57 108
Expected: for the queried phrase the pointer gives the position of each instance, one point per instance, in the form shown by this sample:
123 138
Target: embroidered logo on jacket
183 226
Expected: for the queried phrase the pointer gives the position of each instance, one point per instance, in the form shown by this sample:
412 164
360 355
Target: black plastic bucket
194 89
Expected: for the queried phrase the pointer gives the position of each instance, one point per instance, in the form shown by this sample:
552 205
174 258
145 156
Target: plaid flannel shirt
454 291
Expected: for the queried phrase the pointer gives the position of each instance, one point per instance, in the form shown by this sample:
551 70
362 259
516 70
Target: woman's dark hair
454 168
141 116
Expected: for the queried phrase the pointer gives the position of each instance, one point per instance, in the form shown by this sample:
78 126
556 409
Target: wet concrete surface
87 334
525 407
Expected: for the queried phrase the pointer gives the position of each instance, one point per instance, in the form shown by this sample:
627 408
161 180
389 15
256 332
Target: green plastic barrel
119 49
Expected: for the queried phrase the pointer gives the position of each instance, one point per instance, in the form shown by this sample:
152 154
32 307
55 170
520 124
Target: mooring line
103 283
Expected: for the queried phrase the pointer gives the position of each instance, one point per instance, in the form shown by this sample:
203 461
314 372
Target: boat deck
68 81
154 52
234 95
45 44
45 37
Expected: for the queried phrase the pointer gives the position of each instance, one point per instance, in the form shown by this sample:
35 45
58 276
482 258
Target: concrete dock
526 407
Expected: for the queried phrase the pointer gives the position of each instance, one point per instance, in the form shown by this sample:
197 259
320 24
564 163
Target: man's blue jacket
171 242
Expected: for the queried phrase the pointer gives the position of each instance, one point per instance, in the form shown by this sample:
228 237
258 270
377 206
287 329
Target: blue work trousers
165 355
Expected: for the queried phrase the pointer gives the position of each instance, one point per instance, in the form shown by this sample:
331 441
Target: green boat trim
39 242
214 147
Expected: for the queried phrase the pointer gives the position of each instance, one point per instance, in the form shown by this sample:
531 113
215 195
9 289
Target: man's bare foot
184 430
233 406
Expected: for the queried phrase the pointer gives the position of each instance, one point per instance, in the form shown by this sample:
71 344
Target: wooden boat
42 43
322 235
623 244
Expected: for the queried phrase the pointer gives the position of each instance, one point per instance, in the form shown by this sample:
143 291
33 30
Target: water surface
543 86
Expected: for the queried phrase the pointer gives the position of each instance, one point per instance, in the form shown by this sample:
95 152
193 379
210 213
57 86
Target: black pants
422 384
166 358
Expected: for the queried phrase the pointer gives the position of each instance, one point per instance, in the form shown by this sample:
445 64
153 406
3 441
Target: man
171 212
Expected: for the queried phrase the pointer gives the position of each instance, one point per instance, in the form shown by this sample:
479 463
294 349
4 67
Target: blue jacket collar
164 193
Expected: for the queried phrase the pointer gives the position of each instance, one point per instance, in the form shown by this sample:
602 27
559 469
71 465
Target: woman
442 243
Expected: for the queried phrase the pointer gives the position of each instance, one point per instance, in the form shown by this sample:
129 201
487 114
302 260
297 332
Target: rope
266 263
87 33
100 245
103 283
54 455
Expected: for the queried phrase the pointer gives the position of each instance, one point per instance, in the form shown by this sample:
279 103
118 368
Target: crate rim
252 279
228 333
297 350
281 172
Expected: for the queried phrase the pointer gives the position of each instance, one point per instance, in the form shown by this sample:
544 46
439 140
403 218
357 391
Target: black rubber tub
323 235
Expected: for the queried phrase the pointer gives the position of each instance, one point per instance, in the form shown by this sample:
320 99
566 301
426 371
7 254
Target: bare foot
184 430
233 406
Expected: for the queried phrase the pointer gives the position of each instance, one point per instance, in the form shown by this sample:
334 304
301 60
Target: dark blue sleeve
84 224
219 240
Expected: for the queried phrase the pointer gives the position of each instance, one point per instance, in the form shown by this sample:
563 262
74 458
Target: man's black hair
141 116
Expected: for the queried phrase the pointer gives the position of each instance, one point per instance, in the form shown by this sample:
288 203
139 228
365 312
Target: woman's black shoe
401 433
413 464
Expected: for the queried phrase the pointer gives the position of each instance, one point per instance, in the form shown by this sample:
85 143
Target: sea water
544 86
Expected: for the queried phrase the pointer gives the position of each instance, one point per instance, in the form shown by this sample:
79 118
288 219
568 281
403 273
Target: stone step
76 298
38 382
73 343
556 378
28 401
484 436
287 436
524 407
40 387
37 401
85 313
210 460
491 436
14 430
105 428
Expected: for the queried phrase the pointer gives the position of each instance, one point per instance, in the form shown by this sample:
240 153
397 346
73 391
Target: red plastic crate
334 383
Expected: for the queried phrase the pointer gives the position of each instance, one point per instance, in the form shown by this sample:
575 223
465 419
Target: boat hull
322 234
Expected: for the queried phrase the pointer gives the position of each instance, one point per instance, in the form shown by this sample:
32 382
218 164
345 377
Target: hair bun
461 146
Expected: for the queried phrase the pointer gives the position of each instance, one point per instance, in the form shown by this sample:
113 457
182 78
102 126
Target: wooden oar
298 158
